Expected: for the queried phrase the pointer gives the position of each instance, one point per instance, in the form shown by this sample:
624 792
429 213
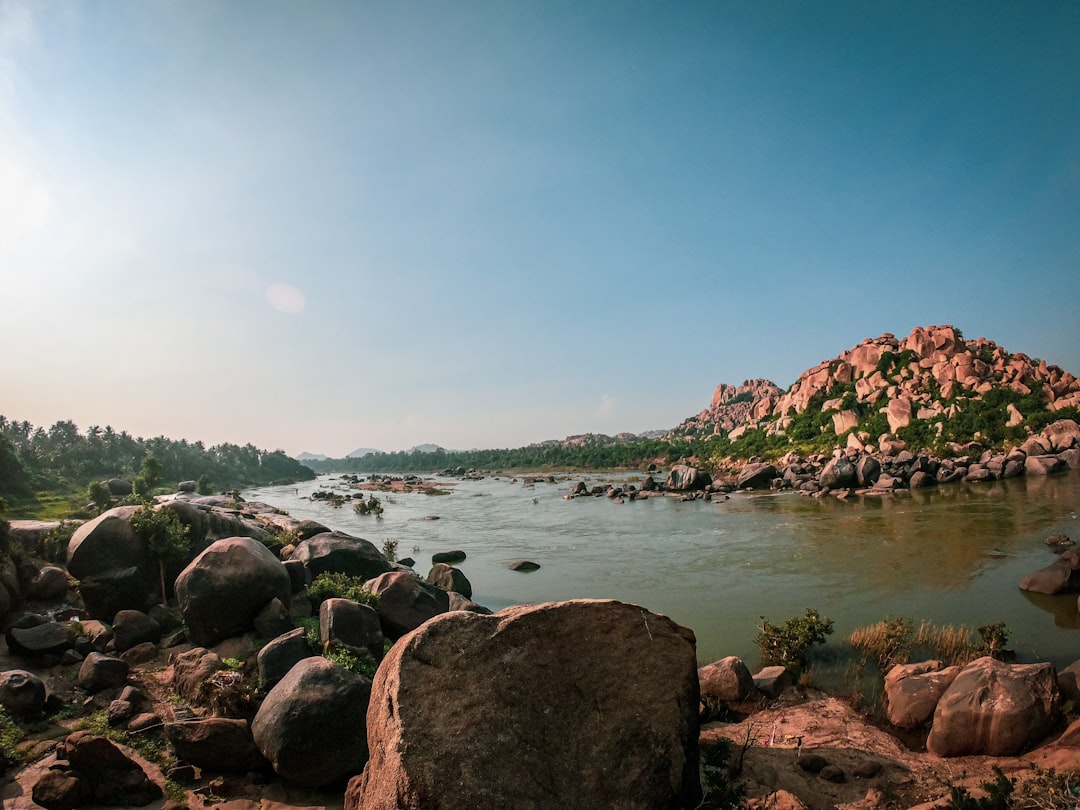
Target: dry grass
894 640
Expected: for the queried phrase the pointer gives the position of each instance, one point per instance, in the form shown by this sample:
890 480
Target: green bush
335 584
345 658
11 733
166 538
999 795
787 645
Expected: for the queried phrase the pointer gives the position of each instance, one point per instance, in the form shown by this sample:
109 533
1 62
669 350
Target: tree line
62 457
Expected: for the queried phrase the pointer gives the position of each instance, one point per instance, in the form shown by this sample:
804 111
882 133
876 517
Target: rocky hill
933 384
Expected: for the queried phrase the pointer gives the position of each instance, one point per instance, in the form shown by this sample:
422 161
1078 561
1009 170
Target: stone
22 693
280 655
450 579
1068 681
1044 465
307 529
772 681
113 777
61 790
480 703
273 620
756 476
898 412
337 552
224 588
839 473
351 625
1062 435
298 575
49 585
921 480
131 627
459 602
867 471
912 691
727 680
833 773
218 744
524 565
994 708
49 638
683 478
107 593
812 762
101 671
312 725
106 543
1060 576
192 668
450 557
406 602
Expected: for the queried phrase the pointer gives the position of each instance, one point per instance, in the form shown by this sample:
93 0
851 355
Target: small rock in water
524 565
1059 540
448 557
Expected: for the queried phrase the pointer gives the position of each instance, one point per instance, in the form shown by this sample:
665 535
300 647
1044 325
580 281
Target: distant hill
306 456
426 448
360 452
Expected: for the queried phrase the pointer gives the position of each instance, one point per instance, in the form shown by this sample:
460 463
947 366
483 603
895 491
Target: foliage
721 792
787 645
345 658
165 536
389 549
11 733
63 458
999 795
99 495
202 485
1050 790
371 506
887 643
993 638
336 584
148 478
229 693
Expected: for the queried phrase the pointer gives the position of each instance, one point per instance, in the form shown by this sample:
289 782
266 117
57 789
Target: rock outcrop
532 707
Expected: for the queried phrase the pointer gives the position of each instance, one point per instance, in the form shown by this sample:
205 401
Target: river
952 554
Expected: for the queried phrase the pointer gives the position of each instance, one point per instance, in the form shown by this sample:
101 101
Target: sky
330 225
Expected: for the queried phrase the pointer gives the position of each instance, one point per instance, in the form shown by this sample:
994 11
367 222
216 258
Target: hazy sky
325 225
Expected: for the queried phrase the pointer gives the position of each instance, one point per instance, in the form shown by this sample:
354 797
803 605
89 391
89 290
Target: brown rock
727 680
912 691
994 708
520 709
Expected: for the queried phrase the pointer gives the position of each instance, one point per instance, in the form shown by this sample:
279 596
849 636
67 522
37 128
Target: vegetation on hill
61 459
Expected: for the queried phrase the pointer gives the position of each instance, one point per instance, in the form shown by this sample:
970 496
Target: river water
950 555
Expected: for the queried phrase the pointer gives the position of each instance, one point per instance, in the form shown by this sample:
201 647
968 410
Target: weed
886 643
345 658
11 733
335 584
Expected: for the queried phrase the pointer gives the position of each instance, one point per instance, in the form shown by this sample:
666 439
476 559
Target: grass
11 734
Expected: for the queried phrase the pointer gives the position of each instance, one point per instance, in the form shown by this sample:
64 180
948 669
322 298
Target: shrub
345 658
993 638
720 791
11 733
389 549
999 795
335 584
788 644
166 538
887 643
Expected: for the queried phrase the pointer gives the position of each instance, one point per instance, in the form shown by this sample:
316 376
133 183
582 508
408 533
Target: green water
949 555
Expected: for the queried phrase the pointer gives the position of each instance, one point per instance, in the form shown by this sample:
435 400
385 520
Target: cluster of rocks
891 467
916 377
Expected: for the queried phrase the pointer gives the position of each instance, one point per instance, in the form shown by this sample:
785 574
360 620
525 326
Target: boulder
524 565
756 476
312 725
111 776
1062 435
107 593
119 488
1062 575
273 620
898 412
280 655
1044 465
106 543
912 691
22 693
1068 681
839 473
341 553
99 671
994 708
48 585
132 627
223 589
351 625
218 744
725 681
46 638
459 602
867 471
477 711
772 681
406 602
448 557
450 579
191 669
683 478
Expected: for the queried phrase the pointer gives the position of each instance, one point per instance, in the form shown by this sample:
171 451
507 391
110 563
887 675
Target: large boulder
106 543
108 776
994 708
191 669
1062 435
337 552
312 725
449 578
280 655
912 691
478 711
758 475
1062 575
683 478
351 625
725 681
839 473
22 693
220 744
406 602
223 589
206 524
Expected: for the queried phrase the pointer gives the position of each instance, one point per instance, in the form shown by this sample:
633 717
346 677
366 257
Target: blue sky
320 226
